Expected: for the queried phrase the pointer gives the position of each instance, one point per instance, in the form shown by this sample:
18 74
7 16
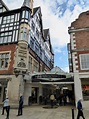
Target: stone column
21 86
13 87
78 88
27 92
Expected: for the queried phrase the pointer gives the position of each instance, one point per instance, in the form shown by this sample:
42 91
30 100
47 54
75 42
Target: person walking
20 109
7 107
60 99
64 100
80 110
3 109
52 98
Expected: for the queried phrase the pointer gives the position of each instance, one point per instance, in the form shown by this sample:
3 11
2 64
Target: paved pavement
38 112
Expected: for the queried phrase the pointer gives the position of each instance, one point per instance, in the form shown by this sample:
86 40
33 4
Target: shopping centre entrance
58 83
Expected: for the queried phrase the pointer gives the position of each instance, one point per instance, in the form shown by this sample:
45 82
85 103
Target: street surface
38 112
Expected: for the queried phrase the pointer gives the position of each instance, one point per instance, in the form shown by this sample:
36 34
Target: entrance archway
60 82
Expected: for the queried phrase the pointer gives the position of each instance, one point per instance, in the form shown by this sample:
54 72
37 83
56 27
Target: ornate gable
47 38
3 7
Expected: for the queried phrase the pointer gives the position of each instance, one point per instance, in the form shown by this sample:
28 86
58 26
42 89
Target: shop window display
85 91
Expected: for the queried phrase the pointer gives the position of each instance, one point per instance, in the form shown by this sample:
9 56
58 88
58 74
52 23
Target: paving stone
38 112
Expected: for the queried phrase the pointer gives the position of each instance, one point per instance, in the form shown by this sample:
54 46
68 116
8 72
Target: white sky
52 18
58 25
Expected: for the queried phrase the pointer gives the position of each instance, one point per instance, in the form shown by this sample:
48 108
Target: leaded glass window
23 34
25 16
4 60
35 66
30 64
84 61
9 28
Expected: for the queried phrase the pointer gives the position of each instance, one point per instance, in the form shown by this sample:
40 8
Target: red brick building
78 50
25 48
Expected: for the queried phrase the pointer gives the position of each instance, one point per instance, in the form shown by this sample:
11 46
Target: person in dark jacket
20 111
80 109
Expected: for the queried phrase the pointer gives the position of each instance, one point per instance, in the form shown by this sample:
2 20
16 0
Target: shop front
85 89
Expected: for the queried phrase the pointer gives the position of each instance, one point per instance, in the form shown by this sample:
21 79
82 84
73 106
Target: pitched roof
35 10
45 32
26 3
56 76
4 4
57 69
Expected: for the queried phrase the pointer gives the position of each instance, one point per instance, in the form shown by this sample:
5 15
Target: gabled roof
56 76
35 10
4 5
45 32
57 69
26 3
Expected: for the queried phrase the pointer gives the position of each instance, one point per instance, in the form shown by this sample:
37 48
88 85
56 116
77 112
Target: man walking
80 112
20 109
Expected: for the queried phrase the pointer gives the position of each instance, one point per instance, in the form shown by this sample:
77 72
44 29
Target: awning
57 83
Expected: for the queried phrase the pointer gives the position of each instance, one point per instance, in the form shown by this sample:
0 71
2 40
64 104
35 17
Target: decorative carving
17 71
21 64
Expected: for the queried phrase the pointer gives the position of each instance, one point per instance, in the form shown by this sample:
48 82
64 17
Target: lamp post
72 113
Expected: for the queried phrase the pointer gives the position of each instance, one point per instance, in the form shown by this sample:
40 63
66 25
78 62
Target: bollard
72 113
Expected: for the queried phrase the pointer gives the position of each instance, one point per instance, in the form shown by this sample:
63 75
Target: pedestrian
64 99
80 109
6 107
20 108
52 98
60 99
45 100
40 99
3 109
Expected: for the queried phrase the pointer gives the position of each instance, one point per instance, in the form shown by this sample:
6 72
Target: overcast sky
57 15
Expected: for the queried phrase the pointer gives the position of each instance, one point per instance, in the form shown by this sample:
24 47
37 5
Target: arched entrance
44 83
56 83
